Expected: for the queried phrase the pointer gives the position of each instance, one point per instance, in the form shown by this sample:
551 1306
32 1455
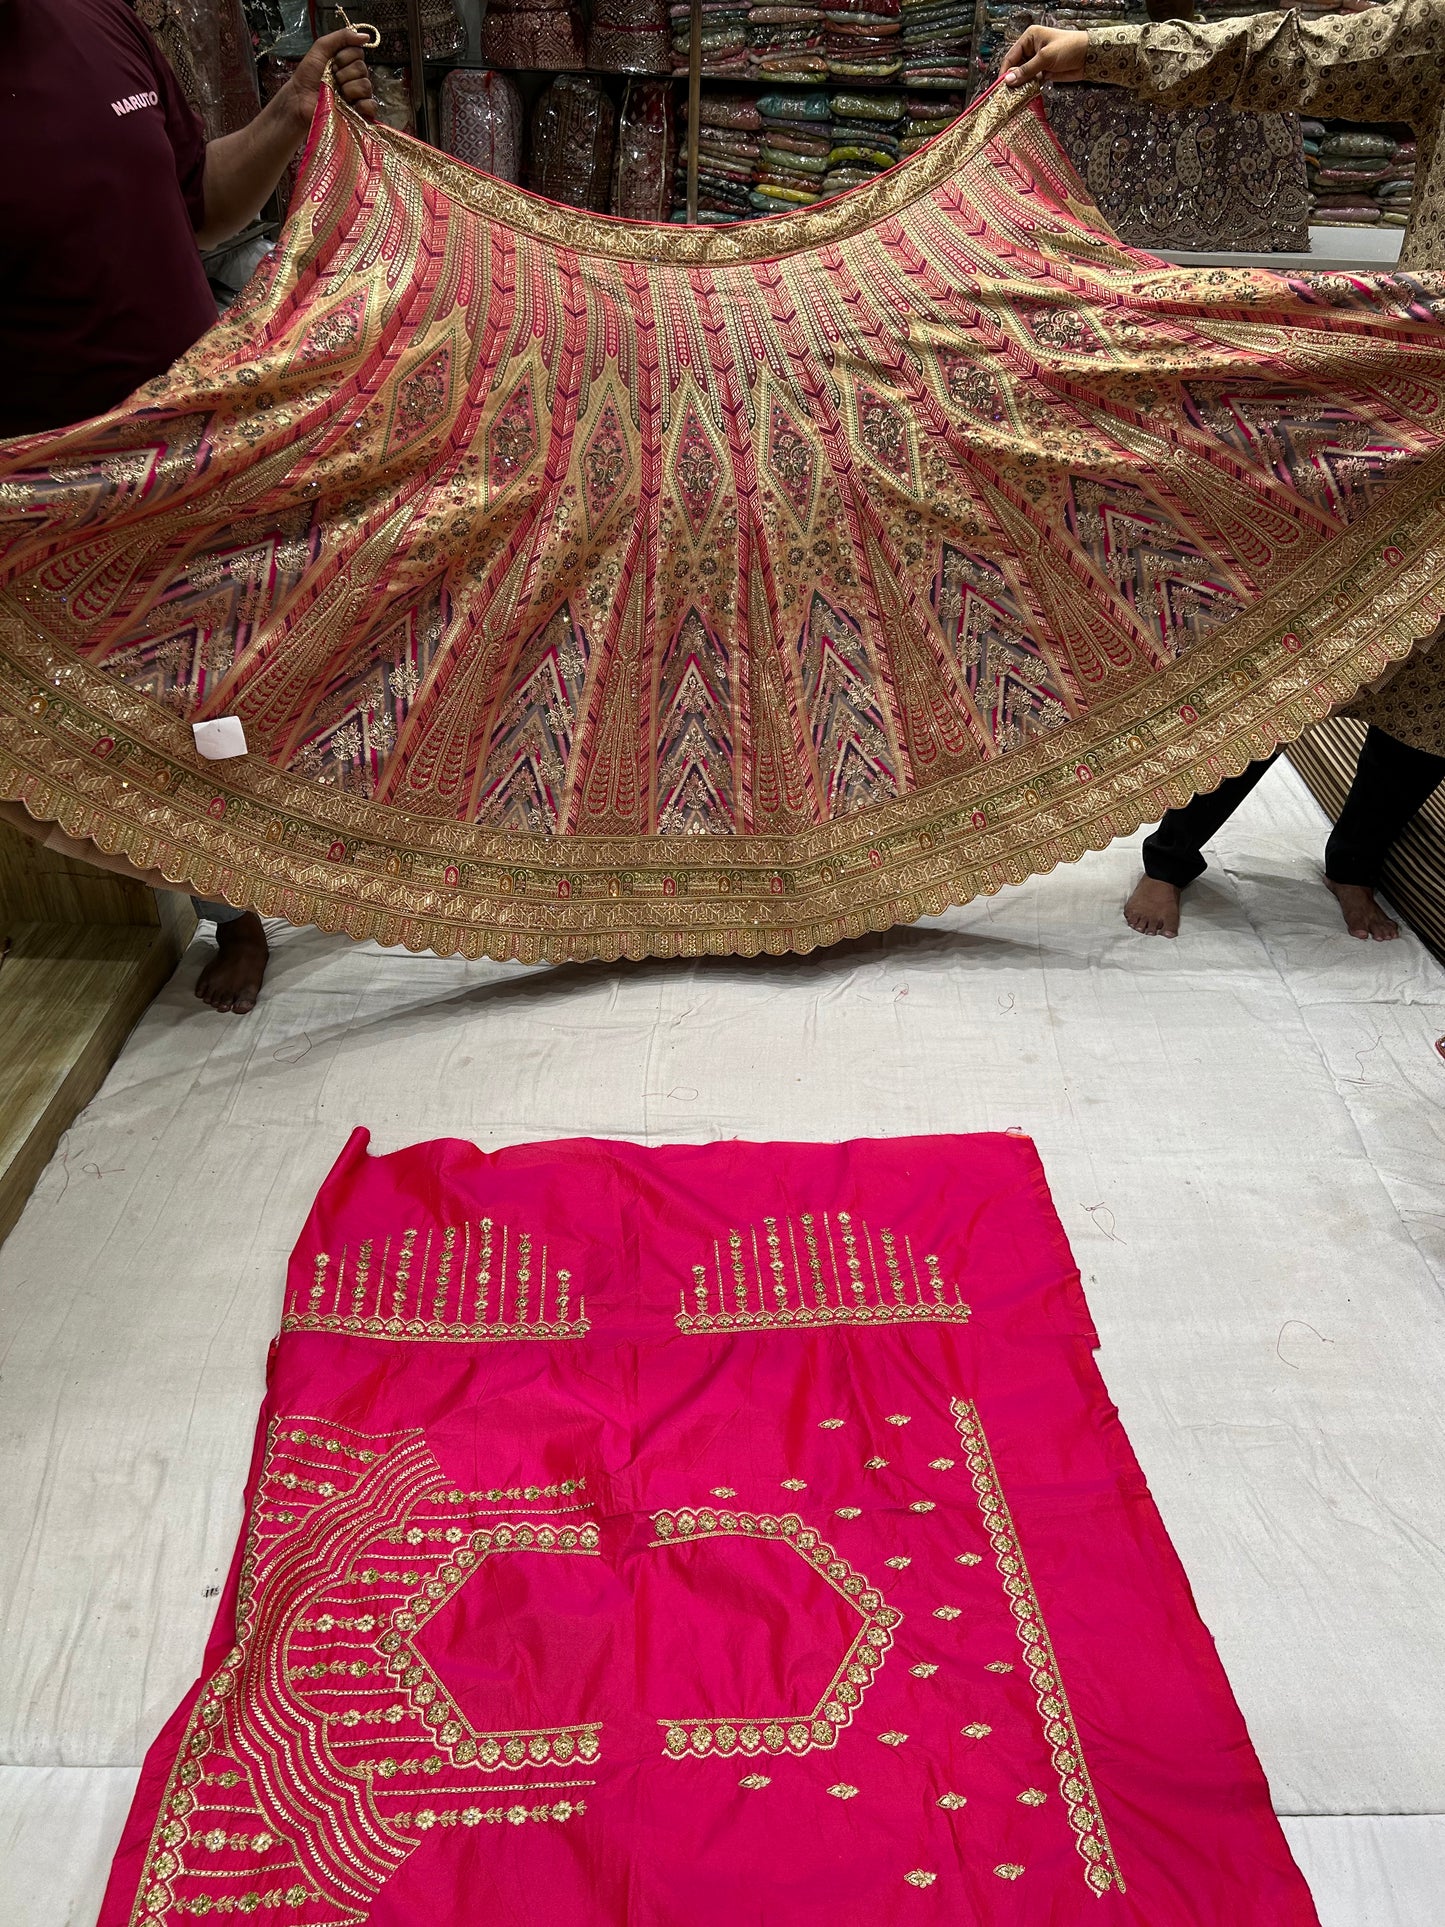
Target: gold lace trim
1090 1834
686 1738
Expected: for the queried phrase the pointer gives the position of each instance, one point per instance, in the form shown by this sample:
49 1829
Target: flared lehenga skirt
590 589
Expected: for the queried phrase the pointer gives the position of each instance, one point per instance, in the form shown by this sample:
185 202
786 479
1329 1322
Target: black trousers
1391 783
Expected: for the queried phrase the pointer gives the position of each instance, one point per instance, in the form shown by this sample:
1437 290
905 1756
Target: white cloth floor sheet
1244 1134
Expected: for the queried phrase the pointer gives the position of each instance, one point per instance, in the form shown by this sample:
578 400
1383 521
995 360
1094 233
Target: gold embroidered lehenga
588 589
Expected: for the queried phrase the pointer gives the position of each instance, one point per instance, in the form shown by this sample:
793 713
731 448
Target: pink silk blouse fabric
724 1536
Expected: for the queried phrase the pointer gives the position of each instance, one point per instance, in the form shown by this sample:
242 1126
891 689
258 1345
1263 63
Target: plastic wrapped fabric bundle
392 87
442 32
786 42
642 182
1353 170
797 140
209 45
482 121
629 37
735 111
275 72
518 34
865 138
573 125
928 114
863 43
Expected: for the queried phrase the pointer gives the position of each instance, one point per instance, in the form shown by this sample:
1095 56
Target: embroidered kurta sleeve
1383 64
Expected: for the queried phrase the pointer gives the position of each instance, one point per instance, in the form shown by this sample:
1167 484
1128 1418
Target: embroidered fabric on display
626 1618
596 589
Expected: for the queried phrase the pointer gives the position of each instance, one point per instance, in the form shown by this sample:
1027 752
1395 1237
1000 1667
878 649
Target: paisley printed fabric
710 1534
594 589
1205 179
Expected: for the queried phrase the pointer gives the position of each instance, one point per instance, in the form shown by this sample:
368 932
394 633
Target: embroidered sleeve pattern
786 1274
469 1283
788 1732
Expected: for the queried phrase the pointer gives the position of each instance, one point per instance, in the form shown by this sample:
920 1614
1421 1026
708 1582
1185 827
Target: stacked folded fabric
864 38
1358 176
729 147
786 42
927 115
937 36
796 151
1396 192
867 137
1004 20
726 48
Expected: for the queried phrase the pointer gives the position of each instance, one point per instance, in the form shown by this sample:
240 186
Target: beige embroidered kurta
1386 64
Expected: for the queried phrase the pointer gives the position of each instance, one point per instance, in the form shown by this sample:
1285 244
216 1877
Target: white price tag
220 738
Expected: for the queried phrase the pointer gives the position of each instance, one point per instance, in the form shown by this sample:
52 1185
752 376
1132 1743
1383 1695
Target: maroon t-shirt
101 165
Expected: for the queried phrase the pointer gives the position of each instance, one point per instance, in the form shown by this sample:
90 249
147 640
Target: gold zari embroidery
517 1815
317 853
784 1733
428 1697
1091 1836
820 1269
470 1284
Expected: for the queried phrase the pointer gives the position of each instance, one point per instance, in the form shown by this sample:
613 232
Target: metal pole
420 101
694 105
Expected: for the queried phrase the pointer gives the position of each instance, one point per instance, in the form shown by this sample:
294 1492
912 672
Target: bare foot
1363 916
232 979
1153 910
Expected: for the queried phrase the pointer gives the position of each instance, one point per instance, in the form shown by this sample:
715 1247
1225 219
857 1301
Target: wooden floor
84 954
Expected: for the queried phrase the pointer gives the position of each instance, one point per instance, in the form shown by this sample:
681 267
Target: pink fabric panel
706 1534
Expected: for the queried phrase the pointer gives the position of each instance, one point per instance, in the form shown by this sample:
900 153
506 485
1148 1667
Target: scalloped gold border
114 767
